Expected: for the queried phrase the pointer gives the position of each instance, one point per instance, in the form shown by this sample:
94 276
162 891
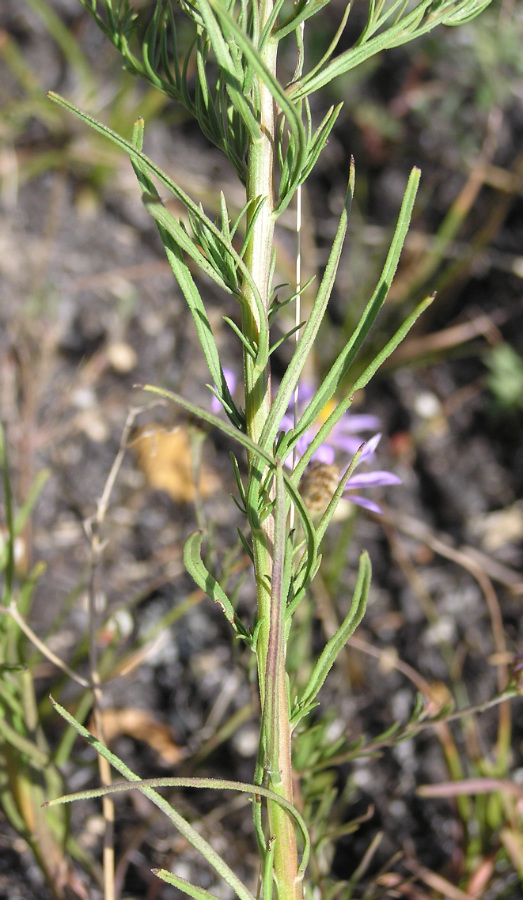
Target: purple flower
230 381
322 475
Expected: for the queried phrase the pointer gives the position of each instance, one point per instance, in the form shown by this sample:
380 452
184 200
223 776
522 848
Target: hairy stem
275 736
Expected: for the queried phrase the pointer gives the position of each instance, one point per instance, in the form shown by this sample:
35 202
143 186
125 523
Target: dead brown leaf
142 725
166 460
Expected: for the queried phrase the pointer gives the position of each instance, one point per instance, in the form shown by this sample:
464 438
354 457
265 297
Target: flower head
324 471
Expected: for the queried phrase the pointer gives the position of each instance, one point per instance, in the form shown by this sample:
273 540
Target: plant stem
268 546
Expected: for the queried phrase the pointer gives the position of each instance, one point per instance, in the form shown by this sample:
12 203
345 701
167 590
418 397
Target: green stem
276 728
257 380
276 735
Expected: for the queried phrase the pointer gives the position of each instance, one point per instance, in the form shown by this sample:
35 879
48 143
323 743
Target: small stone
122 357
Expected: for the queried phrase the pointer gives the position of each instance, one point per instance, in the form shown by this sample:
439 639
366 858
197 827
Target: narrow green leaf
319 139
388 733
256 450
285 337
147 166
303 712
192 890
203 326
146 785
336 497
238 479
275 660
407 28
266 34
300 593
288 107
241 337
138 133
192 558
171 242
302 11
418 709
334 646
252 220
278 304
332 381
310 332
331 48
244 542
232 71
213 250
394 342
195 839
224 214
363 380
163 217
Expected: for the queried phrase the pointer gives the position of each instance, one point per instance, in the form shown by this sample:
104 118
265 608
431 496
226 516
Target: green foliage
28 770
218 59
306 701
389 24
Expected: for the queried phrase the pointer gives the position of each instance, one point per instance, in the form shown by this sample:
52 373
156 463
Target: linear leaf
340 367
287 106
203 326
336 497
319 139
310 332
334 646
145 168
181 824
192 557
174 239
172 226
410 26
232 71
145 784
241 337
257 450
302 11
192 890
364 379
144 163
